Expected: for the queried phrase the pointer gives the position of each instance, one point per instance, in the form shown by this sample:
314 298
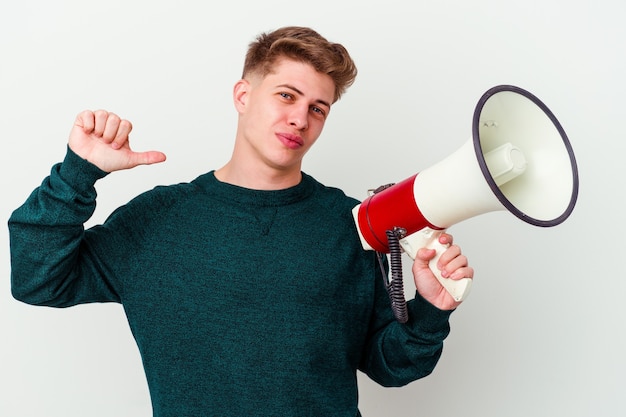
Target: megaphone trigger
429 238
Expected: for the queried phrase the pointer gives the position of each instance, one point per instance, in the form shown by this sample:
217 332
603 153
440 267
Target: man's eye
315 109
286 95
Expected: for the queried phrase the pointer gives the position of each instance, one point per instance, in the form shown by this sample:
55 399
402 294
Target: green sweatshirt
242 302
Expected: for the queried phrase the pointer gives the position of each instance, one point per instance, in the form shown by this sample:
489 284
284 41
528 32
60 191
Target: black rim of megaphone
485 170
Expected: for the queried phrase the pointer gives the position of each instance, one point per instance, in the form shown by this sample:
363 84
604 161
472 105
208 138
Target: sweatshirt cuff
79 173
426 316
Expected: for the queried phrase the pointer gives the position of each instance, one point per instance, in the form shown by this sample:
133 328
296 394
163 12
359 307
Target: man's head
304 45
291 78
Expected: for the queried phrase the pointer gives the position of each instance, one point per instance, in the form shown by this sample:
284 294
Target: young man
247 290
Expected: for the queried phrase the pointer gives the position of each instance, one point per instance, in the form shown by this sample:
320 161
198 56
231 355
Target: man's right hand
102 138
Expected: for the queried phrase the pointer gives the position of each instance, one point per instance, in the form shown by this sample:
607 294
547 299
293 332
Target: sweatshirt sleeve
51 264
397 353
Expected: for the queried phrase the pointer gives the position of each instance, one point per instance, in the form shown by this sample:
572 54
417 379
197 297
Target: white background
542 333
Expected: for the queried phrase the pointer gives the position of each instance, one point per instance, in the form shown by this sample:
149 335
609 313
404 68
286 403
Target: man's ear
240 94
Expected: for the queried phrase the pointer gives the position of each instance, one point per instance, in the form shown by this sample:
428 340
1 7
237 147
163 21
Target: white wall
542 333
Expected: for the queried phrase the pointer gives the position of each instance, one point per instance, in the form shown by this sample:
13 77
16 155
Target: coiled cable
395 288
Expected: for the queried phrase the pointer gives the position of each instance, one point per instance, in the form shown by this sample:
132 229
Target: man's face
282 115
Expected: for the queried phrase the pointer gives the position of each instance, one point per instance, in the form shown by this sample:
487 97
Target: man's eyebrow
291 87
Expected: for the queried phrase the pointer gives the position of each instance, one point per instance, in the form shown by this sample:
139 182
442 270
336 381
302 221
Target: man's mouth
291 141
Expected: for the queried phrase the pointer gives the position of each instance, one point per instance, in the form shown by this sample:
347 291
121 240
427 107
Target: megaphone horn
518 159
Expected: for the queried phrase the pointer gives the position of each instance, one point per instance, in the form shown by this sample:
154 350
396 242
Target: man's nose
298 118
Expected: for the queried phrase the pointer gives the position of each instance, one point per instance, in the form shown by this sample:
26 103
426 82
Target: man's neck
264 178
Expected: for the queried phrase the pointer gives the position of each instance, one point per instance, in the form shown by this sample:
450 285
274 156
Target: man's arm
399 353
51 263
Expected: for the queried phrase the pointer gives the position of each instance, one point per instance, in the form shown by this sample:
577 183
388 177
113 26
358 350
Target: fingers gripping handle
429 238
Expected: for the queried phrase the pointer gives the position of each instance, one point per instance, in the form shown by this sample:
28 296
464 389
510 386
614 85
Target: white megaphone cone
519 159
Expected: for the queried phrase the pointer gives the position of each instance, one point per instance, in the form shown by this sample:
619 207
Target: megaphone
518 159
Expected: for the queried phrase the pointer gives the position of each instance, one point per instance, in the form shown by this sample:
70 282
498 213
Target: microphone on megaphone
518 159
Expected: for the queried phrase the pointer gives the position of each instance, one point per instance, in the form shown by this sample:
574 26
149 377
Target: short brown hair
305 45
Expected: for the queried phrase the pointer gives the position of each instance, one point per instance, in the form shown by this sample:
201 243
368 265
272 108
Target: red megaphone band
388 209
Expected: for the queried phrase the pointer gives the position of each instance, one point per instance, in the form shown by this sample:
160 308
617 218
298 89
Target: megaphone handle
429 238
